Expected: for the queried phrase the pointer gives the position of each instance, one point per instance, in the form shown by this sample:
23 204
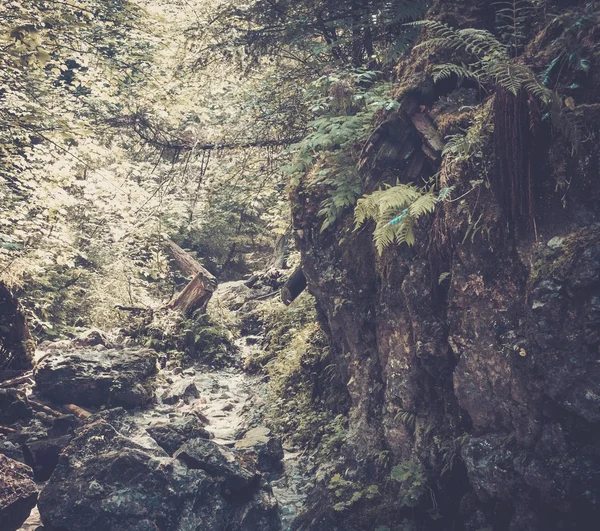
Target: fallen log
199 290
6 429
45 409
294 285
16 381
77 411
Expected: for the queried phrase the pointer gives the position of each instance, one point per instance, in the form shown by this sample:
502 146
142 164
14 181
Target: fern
383 207
512 17
492 63
448 70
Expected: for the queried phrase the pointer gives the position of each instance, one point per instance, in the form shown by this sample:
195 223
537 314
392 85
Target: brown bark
199 290
45 409
77 411
16 344
432 142
17 381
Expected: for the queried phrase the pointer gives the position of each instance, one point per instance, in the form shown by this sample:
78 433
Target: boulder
91 338
92 378
185 390
268 448
105 481
18 493
13 406
238 472
171 436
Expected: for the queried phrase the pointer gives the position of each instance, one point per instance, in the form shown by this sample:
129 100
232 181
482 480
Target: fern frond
446 70
424 205
383 206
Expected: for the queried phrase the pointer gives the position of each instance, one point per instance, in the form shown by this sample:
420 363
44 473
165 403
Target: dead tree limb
432 141
199 290
17 381
45 409
77 411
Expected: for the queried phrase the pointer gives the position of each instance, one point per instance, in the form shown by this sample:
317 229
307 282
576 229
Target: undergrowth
295 355
191 340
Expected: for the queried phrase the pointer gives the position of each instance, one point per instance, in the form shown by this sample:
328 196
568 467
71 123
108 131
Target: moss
557 262
294 353
197 339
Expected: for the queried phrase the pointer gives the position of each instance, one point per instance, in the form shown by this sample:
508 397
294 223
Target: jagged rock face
97 377
105 481
506 360
18 493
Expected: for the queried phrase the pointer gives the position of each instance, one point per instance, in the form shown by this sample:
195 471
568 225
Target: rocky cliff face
473 354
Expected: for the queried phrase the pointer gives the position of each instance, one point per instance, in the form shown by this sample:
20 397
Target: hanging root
513 146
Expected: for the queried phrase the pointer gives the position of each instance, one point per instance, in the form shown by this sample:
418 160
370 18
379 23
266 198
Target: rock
13 406
64 425
268 448
238 474
12 449
89 378
253 340
556 242
42 455
106 482
171 436
92 338
127 426
258 514
185 390
18 493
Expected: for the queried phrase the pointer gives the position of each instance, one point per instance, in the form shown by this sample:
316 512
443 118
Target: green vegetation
295 355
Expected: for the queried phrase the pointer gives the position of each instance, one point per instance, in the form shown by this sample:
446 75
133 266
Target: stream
229 402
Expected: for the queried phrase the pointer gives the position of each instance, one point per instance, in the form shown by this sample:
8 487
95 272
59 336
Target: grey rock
90 378
171 436
268 448
106 482
185 390
18 493
13 406
238 474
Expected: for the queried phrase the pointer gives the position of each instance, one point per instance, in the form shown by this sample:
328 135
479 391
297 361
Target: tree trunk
16 344
199 290
281 251
293 287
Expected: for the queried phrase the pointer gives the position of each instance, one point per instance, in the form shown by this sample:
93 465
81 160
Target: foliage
492 64
348 493
383 206
92 93
411 476
295 355
345 32
512 19
197 339
572 49
345 104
